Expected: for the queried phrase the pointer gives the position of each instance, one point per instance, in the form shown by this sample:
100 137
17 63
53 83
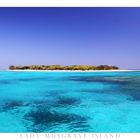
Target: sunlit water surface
69 101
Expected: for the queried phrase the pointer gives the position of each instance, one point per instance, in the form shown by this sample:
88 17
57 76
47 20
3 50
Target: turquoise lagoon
69 101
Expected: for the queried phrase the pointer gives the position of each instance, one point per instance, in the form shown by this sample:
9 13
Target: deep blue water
69 101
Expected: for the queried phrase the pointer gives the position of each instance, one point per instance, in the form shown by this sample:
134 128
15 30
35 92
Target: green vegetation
59 67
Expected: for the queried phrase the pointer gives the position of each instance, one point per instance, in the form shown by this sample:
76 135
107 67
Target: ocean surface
69 101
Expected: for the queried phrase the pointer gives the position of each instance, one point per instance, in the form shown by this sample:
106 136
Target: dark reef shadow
11 105
44 118
63 101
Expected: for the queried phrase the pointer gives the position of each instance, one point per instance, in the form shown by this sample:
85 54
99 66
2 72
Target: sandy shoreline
72 70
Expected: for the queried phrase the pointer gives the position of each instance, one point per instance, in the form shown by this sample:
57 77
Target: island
60 67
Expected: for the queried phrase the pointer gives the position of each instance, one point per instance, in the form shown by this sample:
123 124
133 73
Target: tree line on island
60 67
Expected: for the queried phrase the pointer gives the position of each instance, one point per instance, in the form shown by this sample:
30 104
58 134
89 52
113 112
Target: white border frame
69 3
70 136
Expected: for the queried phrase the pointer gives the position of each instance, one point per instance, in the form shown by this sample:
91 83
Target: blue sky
68 36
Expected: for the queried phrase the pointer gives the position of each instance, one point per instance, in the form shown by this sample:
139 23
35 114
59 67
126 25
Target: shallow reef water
69 101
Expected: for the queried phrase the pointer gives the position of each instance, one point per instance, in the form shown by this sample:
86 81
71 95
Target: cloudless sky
68 36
